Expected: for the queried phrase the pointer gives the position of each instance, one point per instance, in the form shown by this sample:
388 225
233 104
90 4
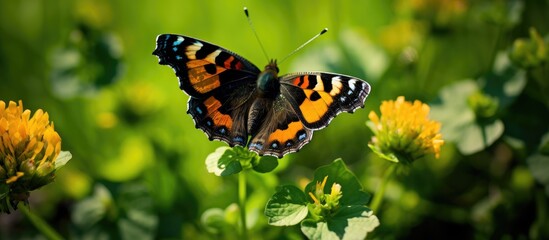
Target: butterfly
232 100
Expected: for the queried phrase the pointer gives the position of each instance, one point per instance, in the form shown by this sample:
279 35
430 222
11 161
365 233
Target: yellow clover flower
404 131
29 148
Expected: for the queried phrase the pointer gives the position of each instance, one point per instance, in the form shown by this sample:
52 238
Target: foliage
338 213
138 163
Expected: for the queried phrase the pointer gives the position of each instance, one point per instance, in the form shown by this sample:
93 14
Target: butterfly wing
221 84
307 102
202 67
222 116
280 131
317 97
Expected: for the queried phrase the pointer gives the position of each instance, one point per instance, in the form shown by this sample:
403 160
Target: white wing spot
336 86
352 84
178 41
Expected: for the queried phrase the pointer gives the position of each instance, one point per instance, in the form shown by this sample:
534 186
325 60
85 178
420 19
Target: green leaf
337 172
460 124
131 216
476 137
352 219
90 211
458 120
213 220
288 206
350 222
161 180
223 162
139 219
539 167
505 82
266 164
138 225
86 63
62 159
544 145
222 222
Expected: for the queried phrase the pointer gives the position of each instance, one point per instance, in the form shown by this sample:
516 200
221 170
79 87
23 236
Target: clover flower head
29 147
404 132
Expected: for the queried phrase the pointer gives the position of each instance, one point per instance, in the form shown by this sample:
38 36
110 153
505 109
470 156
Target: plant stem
39 223
242 202
378 196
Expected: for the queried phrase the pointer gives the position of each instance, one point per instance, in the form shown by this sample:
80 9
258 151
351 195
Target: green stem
39 223
242 202
378 196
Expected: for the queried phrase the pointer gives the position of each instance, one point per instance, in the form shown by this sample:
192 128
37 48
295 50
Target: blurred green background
138 162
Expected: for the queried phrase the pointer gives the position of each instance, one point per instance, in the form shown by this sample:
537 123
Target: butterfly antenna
255 33
304 44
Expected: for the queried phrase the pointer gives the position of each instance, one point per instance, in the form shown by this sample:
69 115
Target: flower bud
528 53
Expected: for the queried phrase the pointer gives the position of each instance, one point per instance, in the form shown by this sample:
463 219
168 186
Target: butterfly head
268 84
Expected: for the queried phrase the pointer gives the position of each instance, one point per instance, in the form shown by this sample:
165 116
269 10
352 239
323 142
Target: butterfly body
267 81
233 101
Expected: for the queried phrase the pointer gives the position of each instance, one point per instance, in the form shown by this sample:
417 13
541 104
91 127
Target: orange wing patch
309 110
196 63
206 77
287 134
325 98
218 118
315 106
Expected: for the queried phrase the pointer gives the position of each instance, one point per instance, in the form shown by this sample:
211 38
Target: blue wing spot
198 110
178 41
350 92
209 123
222 130
343 99
174 49
302 136
178 57
166 41
256 145
239 139
274 145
